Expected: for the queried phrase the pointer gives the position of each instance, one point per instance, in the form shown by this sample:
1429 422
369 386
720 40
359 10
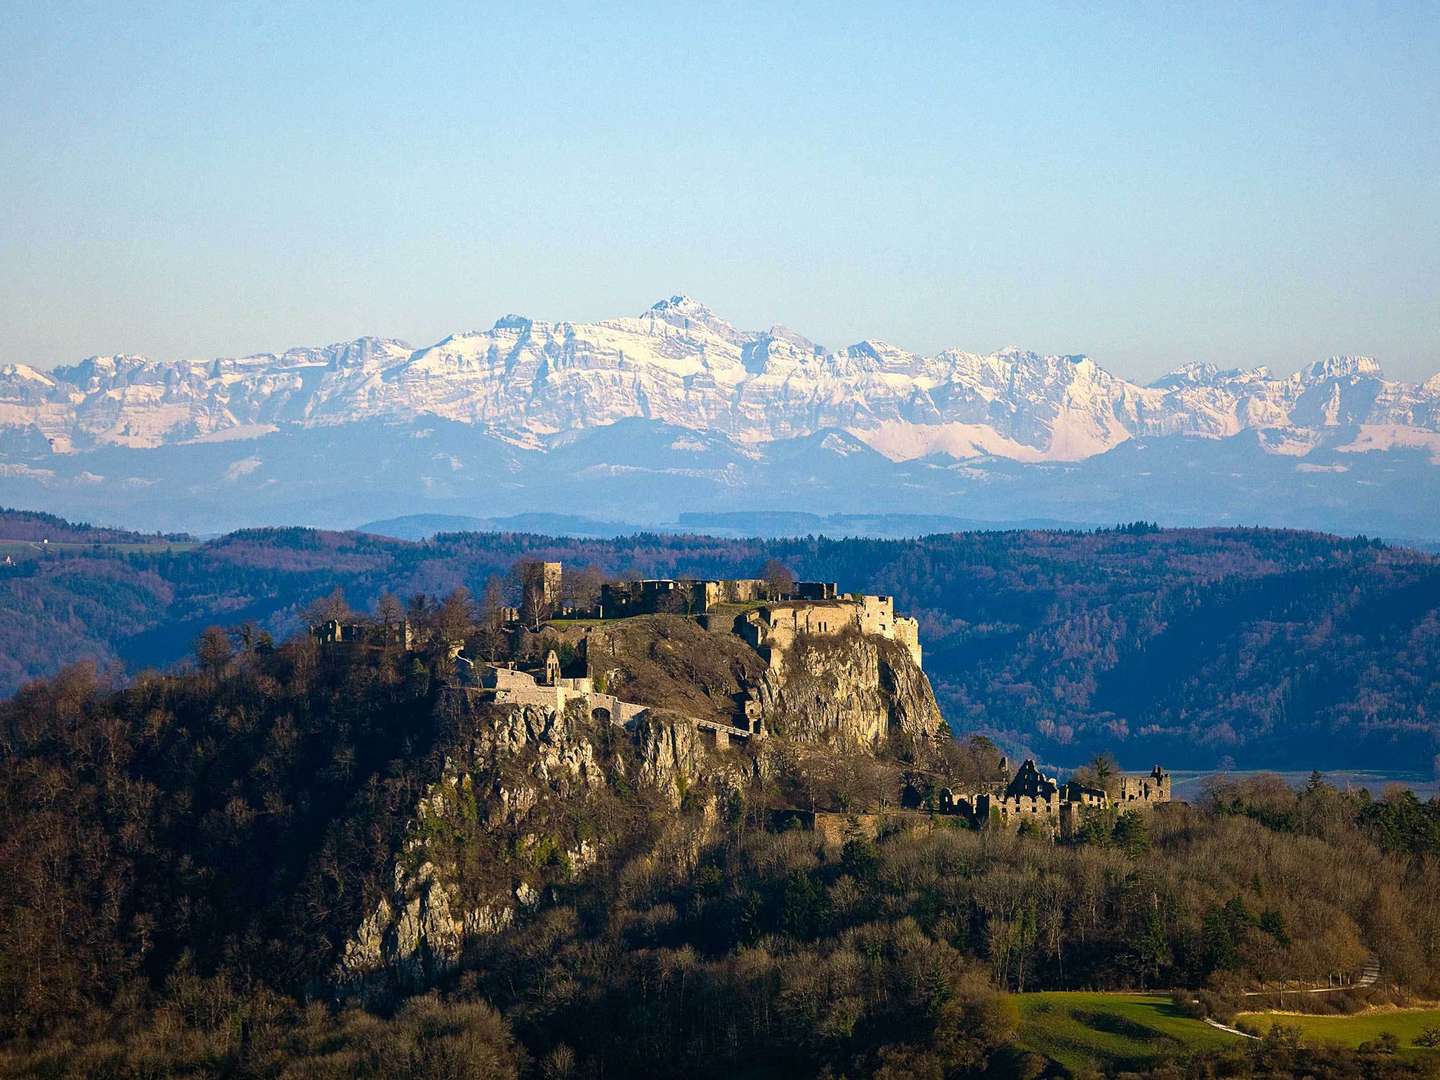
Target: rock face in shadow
529 800
415 934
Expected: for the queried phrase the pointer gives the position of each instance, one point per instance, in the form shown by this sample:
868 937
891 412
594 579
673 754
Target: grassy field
1109 1032
1404 1024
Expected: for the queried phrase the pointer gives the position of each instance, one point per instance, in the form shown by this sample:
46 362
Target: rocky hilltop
858 692
531 798
207 869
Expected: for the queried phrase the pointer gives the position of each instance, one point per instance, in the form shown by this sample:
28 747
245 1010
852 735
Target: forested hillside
1267 647
34 527
186 859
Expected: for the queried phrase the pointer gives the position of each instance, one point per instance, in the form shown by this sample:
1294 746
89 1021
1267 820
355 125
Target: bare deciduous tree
455 617
581 586
389 610
213 649
332 606
529 579
779 581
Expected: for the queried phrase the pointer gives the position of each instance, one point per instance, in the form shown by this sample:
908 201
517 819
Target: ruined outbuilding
386 635
1059 809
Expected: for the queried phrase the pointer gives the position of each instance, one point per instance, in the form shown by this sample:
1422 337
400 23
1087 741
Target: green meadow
1404 1024
1110 1032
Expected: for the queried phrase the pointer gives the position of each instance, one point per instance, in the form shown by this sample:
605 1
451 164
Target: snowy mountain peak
1022 359
101 368
1196 373
1341 367
681 303
681 312
680 308
872 351
780 332
1202 374
358 353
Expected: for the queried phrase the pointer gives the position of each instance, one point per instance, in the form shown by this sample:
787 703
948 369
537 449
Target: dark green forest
1274 649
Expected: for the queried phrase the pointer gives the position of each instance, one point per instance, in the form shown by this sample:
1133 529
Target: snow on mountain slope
1390 436
528 382
20 375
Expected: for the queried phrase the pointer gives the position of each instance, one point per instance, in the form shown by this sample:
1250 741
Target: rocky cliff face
854 692
530 799
671 662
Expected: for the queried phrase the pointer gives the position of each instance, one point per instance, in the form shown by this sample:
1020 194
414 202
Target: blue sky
1152 184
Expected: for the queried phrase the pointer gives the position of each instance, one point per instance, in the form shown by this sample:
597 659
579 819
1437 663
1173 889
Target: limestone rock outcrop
857 691
527 800
669 752
414 936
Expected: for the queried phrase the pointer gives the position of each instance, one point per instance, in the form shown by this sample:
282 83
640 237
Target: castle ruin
772 623
774 628
1055 808
676 596
771 626
387 635
748 607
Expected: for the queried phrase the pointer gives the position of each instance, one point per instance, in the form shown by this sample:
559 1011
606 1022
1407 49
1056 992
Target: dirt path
1218 1026
1368 977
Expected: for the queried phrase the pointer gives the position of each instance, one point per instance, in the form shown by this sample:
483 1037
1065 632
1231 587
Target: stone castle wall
1147 790
369 635
511 687
682 596
774 628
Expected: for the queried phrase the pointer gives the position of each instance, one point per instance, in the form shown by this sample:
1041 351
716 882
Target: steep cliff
529 801
853 692
857 691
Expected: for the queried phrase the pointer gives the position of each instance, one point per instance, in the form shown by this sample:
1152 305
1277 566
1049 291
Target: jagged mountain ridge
531 383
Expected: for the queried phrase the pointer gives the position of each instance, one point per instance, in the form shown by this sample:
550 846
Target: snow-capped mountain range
644 420
531 384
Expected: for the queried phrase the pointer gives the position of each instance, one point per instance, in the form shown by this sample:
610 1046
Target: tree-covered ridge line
1271 648
37 526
